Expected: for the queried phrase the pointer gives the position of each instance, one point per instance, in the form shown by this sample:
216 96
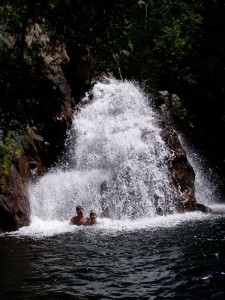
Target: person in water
93 219
80 218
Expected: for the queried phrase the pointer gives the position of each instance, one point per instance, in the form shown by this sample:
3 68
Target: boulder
24 160
14 202
181 172
171 106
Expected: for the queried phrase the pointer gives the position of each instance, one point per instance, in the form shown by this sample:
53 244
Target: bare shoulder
73 220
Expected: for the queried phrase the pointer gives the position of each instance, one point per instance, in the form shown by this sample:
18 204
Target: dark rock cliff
182 174
33 137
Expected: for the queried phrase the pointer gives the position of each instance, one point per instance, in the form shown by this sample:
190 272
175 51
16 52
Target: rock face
181 172
20 167
171 106
47 104
14 203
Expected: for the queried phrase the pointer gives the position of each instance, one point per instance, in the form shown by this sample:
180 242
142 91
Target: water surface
177 257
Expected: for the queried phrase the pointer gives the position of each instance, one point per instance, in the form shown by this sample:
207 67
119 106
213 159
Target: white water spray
116 162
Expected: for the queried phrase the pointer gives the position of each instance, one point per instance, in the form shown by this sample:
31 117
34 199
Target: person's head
93 216
79 210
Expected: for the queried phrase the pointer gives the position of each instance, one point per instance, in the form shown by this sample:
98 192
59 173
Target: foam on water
40 228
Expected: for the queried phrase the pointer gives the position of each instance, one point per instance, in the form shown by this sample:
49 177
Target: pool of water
175 257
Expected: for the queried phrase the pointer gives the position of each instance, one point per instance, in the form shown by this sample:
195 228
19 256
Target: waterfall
115 161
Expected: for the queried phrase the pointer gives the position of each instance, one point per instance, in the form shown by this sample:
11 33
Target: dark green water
186 261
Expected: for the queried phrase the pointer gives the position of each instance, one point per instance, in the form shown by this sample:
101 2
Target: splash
115 163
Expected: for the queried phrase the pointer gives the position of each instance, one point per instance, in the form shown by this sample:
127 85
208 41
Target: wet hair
93 213
79 207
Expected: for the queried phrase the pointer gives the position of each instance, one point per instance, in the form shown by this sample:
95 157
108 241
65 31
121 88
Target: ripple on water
186 261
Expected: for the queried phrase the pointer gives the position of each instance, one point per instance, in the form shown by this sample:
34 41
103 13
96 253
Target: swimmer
80 218
93 218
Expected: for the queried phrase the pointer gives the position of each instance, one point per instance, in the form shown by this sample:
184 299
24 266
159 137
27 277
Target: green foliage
5 166
147 40
9 149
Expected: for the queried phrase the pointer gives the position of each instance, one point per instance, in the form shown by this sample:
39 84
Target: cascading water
116 160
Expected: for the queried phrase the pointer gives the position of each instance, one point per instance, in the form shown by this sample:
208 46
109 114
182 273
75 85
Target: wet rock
48 104
203 208
182 174
171 106
14 203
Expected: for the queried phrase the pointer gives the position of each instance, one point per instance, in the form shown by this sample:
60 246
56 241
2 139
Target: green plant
8 150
